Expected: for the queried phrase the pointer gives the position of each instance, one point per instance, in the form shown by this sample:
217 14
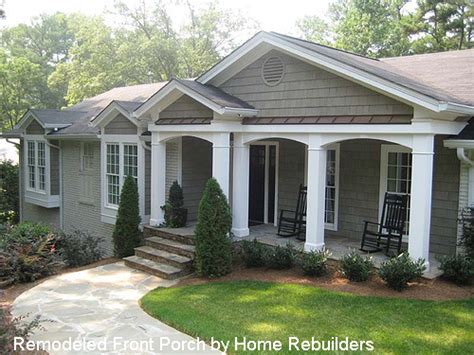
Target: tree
315 29
9 193
126 235
440 25
213 244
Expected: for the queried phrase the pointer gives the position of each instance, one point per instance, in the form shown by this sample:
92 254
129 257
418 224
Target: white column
158 179
240 187
420 201
316 195
221 160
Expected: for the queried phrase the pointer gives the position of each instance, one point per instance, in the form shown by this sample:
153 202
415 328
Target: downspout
461 153
20 181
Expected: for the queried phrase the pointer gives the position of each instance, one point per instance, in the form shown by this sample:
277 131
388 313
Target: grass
275 311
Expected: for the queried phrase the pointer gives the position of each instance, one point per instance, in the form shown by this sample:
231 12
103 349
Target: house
275 113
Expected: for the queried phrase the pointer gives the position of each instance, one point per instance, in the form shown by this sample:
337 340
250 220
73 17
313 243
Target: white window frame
384 151
109 211
36 195
85 146
337 148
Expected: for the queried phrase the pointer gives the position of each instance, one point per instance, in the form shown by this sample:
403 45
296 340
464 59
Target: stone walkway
99 307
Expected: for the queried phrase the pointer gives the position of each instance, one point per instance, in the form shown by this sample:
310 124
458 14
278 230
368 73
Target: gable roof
378 74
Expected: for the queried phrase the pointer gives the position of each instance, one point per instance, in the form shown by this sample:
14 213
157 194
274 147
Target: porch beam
421 197
316 190
240 187
221 160
158 179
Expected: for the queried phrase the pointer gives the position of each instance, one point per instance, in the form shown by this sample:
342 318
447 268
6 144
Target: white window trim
35 195
83 169
384 150
109 212
336 147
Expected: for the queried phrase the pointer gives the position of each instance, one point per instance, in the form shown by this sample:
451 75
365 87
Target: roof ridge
325 46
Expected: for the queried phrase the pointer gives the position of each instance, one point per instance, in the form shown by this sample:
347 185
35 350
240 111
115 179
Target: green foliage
126 235
467 238
281 257
175 214
457 268
398 271
254 254
80 248
9 193
314 263
14 327
355 267
213 244
23 234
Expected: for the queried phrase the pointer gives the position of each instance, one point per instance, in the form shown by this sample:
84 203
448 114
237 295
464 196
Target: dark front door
257 184
262 183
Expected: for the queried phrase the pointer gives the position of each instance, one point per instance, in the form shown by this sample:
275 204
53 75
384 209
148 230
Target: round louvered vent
273 70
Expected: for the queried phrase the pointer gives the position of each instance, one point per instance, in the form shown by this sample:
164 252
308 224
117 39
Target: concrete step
162 256
171 246
176 234
152 267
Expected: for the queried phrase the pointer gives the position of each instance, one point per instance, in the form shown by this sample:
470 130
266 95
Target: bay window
36 163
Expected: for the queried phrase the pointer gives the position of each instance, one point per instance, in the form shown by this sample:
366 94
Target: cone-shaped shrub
213 244
126 235
175 214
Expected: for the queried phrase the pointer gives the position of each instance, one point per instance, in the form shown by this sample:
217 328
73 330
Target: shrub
254 253
9 192
281 257
355 267
80 248
23 233
126 235
314 263
398 271
213 244
10 328
467 238
457 268
175 215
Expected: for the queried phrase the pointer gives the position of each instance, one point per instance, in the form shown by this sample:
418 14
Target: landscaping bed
262 310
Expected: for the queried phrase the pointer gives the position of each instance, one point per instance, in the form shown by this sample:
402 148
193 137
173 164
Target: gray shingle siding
54 169
120 125
197 169
79 212
186 107
34 128
306 90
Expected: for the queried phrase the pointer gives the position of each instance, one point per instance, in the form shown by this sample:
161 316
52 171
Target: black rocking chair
391 226
293 223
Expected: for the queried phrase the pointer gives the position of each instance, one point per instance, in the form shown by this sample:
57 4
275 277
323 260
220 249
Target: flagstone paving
100 306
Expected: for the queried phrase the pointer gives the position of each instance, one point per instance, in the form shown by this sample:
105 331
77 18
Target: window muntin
330 200
41 149
87 158
121 161
31 153
36 165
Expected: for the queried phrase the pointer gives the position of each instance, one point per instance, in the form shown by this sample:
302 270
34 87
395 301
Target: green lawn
274 311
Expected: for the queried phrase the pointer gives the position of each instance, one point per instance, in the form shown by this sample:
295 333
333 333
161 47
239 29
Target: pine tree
213 244
126 235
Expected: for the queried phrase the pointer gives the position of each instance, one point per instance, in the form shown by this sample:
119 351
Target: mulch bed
434 290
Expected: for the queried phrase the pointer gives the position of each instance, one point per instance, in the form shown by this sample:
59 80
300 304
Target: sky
272 15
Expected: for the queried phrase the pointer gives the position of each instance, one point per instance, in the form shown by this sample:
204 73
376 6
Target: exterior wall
306 90
81 194
172 162
34 213
359 189
463 196
186 107
34 128
54 169
197 169
120 125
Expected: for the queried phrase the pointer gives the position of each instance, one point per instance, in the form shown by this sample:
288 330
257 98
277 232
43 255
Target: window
87 158
121 161
331 171
396 174
36 156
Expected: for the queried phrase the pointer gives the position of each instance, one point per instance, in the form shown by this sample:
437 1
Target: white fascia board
247 112
27 118
106 115
73 136
338 68
459 143
58 125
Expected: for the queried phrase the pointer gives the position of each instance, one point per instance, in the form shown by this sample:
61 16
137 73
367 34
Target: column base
240 232
156 222
312 247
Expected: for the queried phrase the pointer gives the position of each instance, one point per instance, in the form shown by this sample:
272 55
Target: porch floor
338 246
